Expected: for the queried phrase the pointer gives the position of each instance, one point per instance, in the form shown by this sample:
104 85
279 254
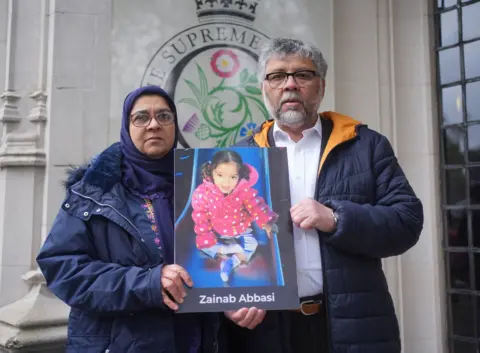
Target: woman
109 254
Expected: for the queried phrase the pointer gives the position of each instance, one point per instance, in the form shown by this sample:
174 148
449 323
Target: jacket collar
341 127
102 172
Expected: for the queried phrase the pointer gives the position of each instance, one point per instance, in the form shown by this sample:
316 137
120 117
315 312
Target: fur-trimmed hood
103 171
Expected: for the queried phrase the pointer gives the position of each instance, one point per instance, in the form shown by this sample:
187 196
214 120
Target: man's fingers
298 217
168 302
302 203
257 320
248 318
237 316
296 210
294 215
306 223
299 210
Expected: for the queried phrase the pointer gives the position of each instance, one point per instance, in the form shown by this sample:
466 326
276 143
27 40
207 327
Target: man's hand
246 317
172 280
308 214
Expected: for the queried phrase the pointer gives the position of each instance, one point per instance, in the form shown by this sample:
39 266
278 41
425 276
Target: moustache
292 97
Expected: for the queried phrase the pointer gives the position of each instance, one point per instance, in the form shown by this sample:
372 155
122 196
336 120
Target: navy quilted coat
94 260
379 216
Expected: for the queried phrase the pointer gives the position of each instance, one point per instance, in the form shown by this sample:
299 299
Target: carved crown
210 10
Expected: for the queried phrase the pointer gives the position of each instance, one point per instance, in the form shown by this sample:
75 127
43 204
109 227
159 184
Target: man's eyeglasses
302 78
143 119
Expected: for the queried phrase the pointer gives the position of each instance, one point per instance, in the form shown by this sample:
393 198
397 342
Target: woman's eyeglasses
142 119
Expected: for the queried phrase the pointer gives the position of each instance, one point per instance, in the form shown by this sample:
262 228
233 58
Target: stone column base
32 340
36 323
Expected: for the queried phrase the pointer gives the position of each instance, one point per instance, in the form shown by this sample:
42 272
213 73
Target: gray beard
291 118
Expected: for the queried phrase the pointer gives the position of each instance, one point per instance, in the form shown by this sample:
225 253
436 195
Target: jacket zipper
121 215
215 342
322 252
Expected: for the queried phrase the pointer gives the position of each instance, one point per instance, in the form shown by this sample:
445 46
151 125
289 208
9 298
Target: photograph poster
233 231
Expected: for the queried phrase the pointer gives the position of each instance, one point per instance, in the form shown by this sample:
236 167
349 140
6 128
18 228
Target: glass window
477 271
452 105
470 16
475 220
449 32
458 91
473 100
474 173
472 59
454 145
457 228
449 65
462 313
459 268
456 187
464 347
474 143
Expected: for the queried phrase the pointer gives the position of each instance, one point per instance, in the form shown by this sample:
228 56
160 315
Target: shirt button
67 205
85 214
99 209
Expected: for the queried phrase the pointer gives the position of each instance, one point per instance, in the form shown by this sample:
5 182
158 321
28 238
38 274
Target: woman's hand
173 279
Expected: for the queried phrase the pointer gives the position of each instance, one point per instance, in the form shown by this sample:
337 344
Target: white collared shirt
303 159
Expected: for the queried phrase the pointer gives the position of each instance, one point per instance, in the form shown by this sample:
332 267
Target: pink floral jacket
214 213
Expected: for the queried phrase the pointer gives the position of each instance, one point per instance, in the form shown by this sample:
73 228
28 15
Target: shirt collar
279 134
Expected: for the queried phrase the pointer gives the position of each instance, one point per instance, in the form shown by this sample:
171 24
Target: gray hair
281 47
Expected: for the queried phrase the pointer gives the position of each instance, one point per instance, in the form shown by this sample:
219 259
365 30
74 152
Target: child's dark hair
225 156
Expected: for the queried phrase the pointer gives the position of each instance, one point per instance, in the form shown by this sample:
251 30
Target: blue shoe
227 266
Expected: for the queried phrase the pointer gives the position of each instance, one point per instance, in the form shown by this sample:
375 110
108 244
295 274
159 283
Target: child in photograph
224 207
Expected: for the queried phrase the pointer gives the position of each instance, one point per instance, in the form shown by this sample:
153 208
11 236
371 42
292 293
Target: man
352 206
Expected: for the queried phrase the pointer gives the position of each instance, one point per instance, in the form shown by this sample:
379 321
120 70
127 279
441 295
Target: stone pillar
22 165
383 60
3 41
421 271
71 92
21 159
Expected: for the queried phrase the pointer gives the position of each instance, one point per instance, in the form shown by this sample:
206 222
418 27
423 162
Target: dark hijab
148 177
